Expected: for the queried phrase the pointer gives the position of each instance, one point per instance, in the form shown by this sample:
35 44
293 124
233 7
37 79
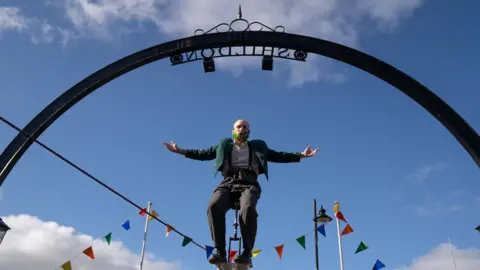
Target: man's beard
242 136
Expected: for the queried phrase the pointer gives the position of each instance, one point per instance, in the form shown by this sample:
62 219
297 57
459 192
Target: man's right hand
172 146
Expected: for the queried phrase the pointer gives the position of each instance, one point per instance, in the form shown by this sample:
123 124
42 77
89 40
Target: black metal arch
459 128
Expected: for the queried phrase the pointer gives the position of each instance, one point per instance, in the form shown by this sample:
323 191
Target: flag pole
340 251
145 235
451 251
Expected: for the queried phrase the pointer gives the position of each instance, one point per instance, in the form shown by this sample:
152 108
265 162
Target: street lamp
3 230
321 218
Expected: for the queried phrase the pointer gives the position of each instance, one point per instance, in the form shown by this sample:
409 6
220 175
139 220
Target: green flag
361 247
108 237
301 241
186 241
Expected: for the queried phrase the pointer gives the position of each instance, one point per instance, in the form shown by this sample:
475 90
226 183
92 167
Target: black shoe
219 257
244 258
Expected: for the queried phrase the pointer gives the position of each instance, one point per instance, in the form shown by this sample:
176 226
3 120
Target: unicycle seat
236 204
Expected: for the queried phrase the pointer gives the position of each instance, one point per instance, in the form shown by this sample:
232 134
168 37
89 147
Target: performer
241 162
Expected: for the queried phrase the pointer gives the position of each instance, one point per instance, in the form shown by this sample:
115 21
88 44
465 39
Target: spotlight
267 62
208 65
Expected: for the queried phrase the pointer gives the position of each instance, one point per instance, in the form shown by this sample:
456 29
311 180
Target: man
240 161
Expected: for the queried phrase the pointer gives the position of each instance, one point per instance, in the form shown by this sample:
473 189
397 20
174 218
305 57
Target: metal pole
340 251
145 235
316 232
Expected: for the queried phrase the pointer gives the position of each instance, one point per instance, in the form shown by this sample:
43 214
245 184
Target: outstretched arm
283 157
201 154
287 157
197 154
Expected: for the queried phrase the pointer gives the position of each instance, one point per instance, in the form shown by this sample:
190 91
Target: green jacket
259 148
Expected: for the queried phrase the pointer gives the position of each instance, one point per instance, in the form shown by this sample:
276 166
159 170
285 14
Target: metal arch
459 128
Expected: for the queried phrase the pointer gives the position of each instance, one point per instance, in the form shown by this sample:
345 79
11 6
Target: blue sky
404 182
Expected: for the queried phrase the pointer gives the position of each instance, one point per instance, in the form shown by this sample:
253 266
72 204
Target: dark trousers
223 199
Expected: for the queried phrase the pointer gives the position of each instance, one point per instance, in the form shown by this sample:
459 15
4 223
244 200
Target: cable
96 180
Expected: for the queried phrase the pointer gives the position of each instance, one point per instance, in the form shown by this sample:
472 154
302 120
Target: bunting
321 229
232 255
340 216
348 229
143 212
478 228
108 238
169 229
155 214
378 265
301 241
89 252
67 266
126 225
209 251
256 252
361 247
279 250
186 241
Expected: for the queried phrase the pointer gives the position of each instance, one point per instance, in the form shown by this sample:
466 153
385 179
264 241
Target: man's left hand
308 152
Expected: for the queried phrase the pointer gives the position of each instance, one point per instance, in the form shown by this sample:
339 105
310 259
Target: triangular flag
321 229
169 229
378 265
279 250
478 228
126 225
301 241
361 247
89 253
155 214
186 241
143 212
336 207
209 250
67 266
108 238
348 229
256 252
232 255
340 216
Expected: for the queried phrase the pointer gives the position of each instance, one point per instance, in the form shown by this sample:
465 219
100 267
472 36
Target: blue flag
321 229
126 225
209 251
378 265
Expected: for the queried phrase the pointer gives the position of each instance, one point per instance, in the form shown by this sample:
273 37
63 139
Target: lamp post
321 218
3 230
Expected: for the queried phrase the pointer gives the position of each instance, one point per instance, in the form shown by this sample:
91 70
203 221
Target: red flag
89 253
348 229
143 212
340 216
232 255
279 250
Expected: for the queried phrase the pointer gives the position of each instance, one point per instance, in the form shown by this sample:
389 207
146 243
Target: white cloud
440 258
423 173
334 20
12 19
35 244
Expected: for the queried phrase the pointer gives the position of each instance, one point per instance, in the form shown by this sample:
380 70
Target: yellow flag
155 214
336 207
256 252
67 266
